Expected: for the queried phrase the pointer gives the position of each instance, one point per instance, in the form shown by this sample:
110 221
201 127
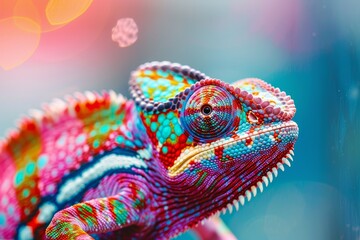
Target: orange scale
25 201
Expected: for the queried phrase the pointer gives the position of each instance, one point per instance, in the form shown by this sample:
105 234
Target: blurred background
310 49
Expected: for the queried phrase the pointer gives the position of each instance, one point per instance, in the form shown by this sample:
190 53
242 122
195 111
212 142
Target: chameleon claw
280 166
242 200
236 204
286 161
253 190
265 180
260 186
270 176
248 195
275 171
230 208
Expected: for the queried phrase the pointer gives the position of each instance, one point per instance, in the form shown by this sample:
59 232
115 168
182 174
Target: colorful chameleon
186 148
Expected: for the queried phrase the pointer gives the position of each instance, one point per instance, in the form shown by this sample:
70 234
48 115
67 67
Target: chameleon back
59 156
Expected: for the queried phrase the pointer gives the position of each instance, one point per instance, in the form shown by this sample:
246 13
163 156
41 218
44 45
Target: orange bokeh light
60 12
23 21
34 10
20 38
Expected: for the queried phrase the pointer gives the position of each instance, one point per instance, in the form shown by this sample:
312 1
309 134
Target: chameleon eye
208 112
206 109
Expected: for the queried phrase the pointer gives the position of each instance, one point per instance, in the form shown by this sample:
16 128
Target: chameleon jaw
205 151
253 190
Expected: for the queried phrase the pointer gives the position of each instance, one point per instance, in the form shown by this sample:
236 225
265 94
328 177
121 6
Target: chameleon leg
215 229
98 216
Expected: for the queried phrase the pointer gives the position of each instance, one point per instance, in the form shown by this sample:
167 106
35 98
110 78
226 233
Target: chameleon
184 149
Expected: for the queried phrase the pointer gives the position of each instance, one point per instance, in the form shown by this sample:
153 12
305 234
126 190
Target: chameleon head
223 141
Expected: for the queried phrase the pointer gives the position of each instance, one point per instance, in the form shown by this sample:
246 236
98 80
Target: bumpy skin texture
187 147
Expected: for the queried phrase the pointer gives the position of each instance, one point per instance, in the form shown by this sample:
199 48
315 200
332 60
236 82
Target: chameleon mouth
205 151
253 190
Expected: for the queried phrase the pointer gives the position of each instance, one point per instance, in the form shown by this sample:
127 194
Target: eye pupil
206 109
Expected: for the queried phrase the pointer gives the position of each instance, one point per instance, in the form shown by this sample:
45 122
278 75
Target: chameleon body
184 149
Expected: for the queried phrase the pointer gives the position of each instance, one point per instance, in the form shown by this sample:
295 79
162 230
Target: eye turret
208 113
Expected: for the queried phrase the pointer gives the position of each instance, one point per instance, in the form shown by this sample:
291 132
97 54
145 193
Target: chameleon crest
184 149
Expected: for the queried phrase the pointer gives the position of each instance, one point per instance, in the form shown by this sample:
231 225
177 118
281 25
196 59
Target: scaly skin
186 148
